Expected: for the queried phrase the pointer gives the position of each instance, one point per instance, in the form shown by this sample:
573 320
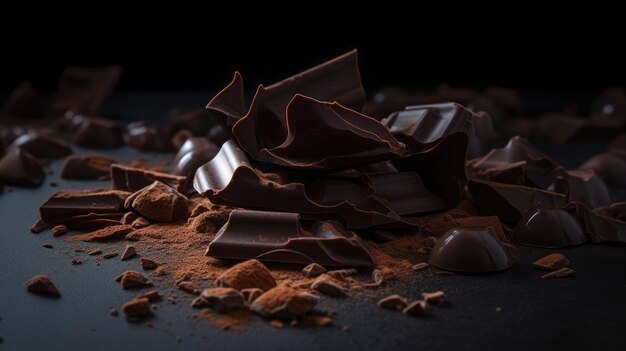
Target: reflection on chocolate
66 206
18 167
470 250
509 201
41 145
87 167
70 121
197 121
23 103
538 169
195 152
147 136
549 227
611 167
84 90
602 224
99 133
134 179
585 187
279 237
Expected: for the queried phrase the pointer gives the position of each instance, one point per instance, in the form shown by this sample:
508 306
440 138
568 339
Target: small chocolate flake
110 254
420 266
434 298
223 299
76 262
113 312
131 279
328 286
129 252
137 308
552 262
559 273
148 263
94 252
416 308
150 295
47 246
41 284
189 287
393 302
59 230
313 270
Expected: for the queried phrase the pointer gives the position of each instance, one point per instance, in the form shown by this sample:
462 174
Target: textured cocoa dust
234 320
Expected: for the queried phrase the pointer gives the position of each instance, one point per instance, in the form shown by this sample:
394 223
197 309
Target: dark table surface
509 310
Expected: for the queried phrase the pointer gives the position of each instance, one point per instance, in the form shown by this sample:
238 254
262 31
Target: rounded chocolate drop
470 250
549 227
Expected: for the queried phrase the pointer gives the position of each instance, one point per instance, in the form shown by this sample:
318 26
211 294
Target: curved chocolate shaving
230 103
230 179
279 237
322 135
195 152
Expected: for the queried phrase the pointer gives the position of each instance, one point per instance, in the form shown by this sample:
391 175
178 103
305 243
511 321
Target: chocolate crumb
342 274
38 227
137 308
148 263
283 302
189 287
197 302
434 298
113 312
59 230
248 274
416 308
559 273
76 262
129 252
110 254
41 284
277 323
420 266
133 236
47 246
328 286
252 294
222 299
94 252
393 302
131 279
313 270
150 295
552 262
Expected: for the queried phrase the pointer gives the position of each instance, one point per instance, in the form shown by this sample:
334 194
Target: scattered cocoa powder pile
104 234
283 302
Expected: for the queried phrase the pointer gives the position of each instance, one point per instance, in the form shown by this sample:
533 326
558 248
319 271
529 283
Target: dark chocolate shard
470 250
230 179
585 187
18 167
87 167
229 103
606 224
84 90
545 226
41 145
66 204
539 170
195 152
200 122
509 201
23 103
611 167
134 179
99 133
147 136
279 237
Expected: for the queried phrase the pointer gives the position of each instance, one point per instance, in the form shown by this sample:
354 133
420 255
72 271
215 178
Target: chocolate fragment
76 262
41 284
94 252
65 205
222 299
148 264
611 167
59 230
159 203
23 102
188 286
110 255
134 179
18 167
132 279
283 302
147 136
378 278
47 246
420 266
559 273
38 227
552 262
324 243
605 224
137 308
84 90
417 308
328 286
41 145
129 252
87 167
434 298
198 302
393 302
549 227
104 234
129 218
470 250
342 274
246 275
313 270
151 295
585 187
251 294
195 152
99 133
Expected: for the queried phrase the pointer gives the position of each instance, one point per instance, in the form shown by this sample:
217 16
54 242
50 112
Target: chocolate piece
313 270
148 264
110 255
104 234
585 187
539 170
509 202
87 167
129 252
38 227
41 284
23 103
58 230
328 286
137 308
251 294
94 252
65 205
129 218
470 250
602 224
195 152
18 167
147 136
545 226
188 286
420 266
559 273
132 279
393 302
159 203
134 179
84 90
279 237
76 262
48 246
434 298
151 295
99 133
41 145
200 122
246 275
417 308
223 299
552 262
283 302
611 167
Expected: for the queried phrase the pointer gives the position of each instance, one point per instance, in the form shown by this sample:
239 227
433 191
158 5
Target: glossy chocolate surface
87 167
195 152
18 167
41 145
549 227
66 206
99 133
133 179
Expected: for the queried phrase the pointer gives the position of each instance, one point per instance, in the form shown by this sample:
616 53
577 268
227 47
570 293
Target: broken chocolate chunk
41 284
611 167
188 286
148 264
313 270
328 286
137 308
132 279
159 203
195 152
417 308
129 252
222 299
65 205
583 186
18 167
434 298
134 179
552 262
283 302
605 224
87 167
248 274
544 226
58 230
393 302
110 255
41 145
99 133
